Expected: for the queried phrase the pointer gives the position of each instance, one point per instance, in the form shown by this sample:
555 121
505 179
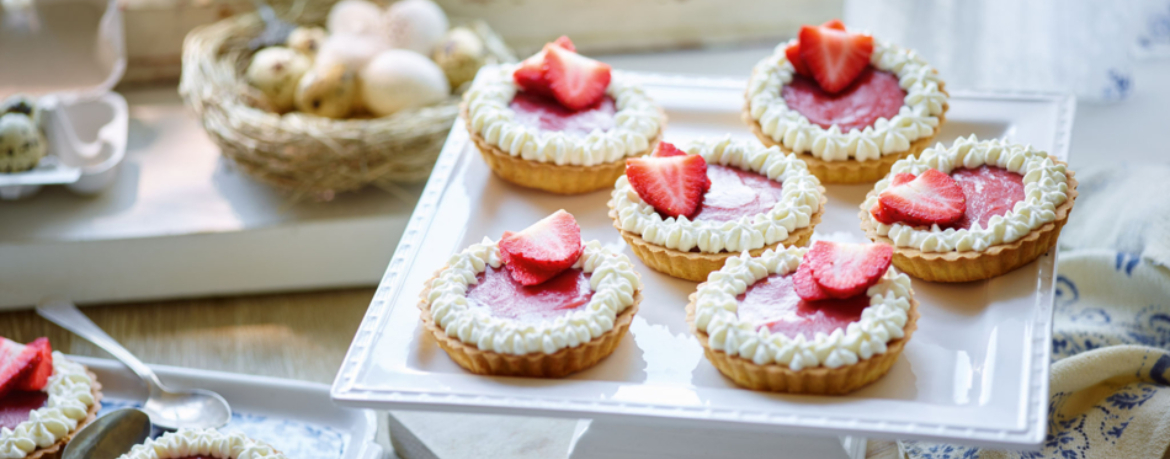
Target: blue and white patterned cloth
1111 334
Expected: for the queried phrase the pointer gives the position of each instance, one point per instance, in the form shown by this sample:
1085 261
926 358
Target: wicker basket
309 155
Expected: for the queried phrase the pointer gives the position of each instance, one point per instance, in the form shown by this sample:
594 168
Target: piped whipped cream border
203 442
70 392
800 198
918 118
716 314
636 123
613 281
1045 188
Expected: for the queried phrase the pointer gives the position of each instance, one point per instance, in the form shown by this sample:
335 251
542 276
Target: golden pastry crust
553 178
537 365
695 266
848 171
817 380
971 265
54 451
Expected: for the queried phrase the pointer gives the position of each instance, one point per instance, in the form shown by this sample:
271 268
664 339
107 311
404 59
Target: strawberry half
576 81
39 376
673 185
806 287
543 250
792 52
844 270
834 57
666 150
932 198
16 364
530 76
876 210
564 42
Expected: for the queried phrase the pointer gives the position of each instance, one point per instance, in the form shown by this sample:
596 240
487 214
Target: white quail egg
307 40
460 55
354 17
275 71
22 145
417 25
328 91
352 51
398 79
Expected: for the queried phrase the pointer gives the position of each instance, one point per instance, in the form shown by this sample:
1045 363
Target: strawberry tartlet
559 121
825 320
971 211
203 444
685 212
847 104
45 399
536 303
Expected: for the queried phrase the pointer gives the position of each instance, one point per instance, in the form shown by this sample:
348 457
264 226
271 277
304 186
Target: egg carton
73 53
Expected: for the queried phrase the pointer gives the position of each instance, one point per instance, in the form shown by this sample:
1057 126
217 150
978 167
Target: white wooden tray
295 417
975 371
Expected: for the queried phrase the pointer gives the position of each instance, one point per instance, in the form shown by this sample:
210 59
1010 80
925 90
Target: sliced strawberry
15 367
542 250
806 287
931 198
901 178
834 24
844 270
673 185
876 210
39 376
566 43
530 76
666 150
834 57
792 52
576 81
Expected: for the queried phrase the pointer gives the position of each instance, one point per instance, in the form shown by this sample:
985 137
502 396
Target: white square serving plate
975 372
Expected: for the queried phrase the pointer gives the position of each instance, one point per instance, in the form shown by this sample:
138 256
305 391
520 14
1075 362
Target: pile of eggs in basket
369 59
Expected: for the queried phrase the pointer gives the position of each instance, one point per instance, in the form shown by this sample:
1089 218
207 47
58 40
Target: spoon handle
64 313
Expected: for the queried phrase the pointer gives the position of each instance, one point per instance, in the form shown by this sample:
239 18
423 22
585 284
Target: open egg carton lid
66 55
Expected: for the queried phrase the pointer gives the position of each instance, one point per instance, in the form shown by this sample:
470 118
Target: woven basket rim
299 151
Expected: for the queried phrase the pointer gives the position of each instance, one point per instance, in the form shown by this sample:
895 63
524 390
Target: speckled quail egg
275 71
354 17
328 91
352 51
21 103
307 40
22 145
417 25
460 55
398 79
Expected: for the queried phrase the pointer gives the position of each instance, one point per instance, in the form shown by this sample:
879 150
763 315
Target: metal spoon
110 436
168 409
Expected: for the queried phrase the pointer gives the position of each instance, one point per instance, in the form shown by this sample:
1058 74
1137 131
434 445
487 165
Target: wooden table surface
293 335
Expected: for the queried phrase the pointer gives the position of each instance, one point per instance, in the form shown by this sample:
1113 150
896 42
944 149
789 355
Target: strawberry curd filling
772 303
16 405
496 290
736 193
989 191
874 94
546 114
